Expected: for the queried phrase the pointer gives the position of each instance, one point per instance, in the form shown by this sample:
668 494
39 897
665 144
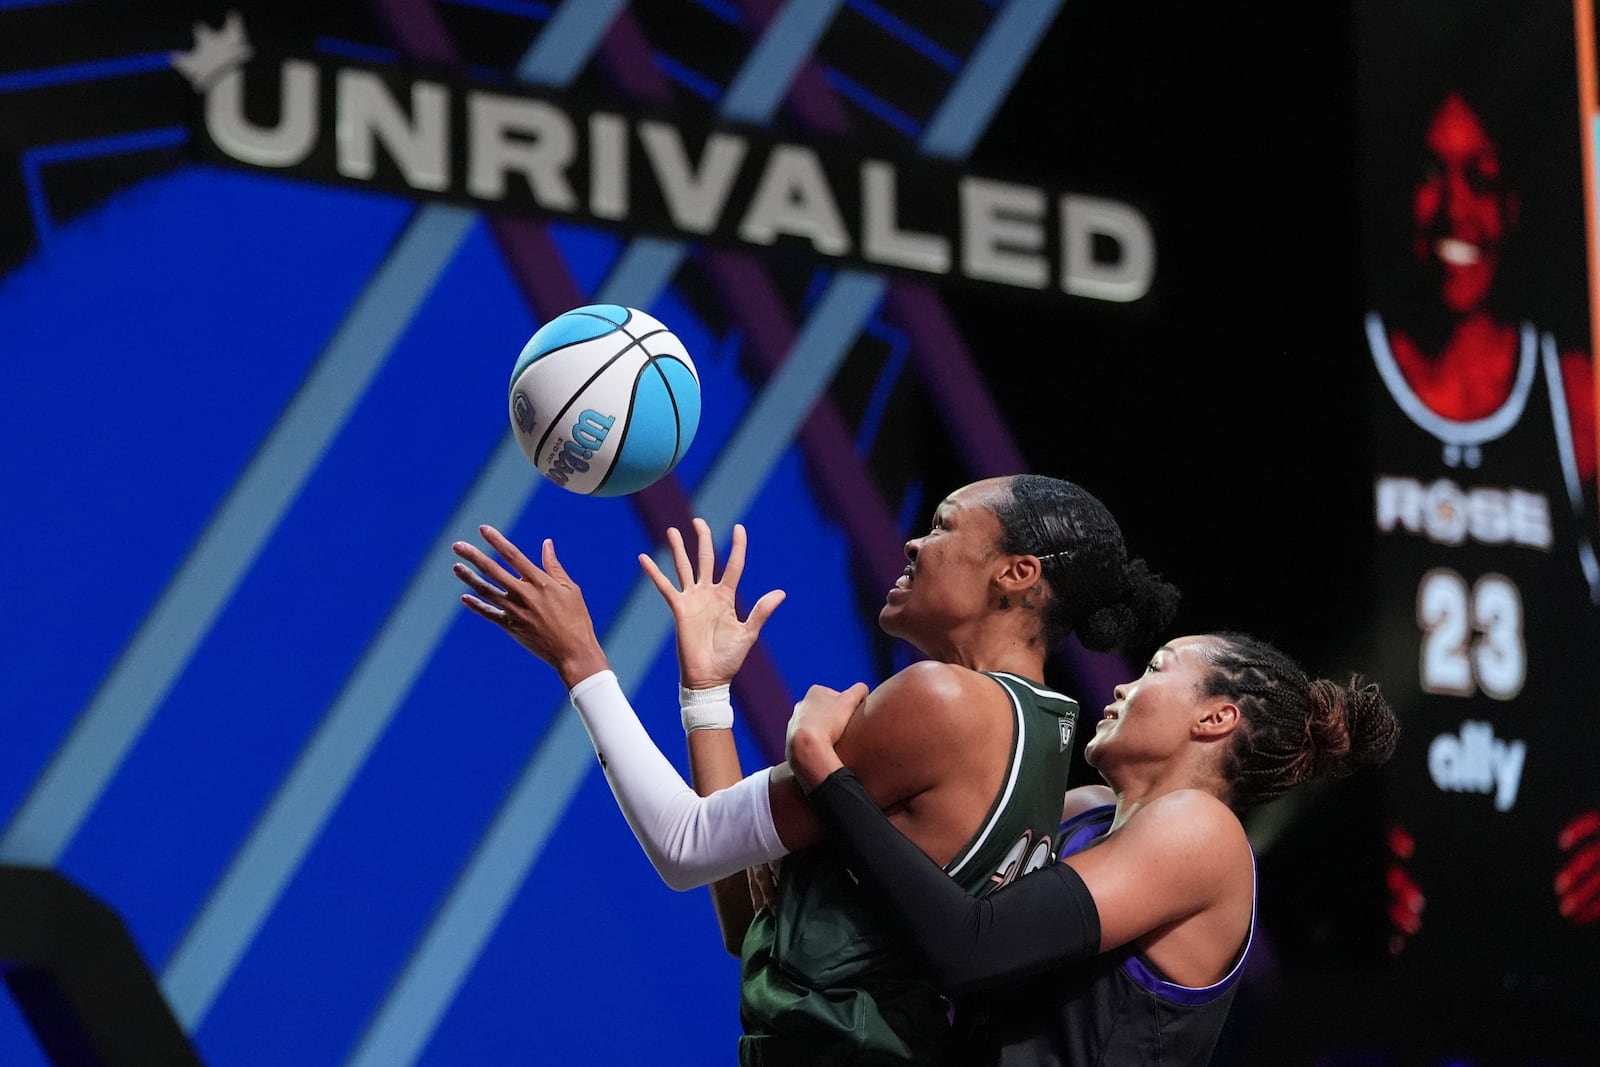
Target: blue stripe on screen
918 41
93 70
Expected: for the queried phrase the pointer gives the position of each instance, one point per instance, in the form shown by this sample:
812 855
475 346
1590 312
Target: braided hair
1095 590
1294 727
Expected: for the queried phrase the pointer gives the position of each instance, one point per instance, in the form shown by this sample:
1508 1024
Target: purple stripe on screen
418 30
850 494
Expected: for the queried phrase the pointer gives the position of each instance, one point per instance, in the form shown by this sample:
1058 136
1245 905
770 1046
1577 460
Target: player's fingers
1577 893
680 557
484 563
1583 826
762 888
1582 907
662 583
764 608
1404 919
705 550
518 562
733 570
479 584
488 611
1584 867
552 565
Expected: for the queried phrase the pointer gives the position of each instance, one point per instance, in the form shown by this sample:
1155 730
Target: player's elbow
679 877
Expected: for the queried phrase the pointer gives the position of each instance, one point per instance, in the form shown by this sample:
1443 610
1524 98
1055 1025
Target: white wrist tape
706 709
691 840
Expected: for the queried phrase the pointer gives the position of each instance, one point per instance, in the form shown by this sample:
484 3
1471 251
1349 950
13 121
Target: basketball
604 400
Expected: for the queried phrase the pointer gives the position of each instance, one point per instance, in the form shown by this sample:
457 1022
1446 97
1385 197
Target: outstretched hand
712 641
815 727
542 608
1406 898
1578 882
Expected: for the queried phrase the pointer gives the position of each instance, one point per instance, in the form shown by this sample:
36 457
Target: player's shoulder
1194 803
1189 819
932 679
935 692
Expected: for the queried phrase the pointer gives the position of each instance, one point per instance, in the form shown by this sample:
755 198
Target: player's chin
889 619
897 620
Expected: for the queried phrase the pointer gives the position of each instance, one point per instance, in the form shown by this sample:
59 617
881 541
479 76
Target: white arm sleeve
691 840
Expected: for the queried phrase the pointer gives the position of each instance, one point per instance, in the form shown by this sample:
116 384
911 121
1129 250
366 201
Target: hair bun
1352 726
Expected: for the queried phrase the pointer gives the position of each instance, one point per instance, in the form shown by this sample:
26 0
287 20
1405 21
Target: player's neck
996 647
1467 372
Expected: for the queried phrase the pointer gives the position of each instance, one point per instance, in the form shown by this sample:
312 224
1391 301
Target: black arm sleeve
1042 920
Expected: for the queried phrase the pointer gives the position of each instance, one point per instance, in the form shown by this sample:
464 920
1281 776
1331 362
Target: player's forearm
714 765
691 840
584 662
811 755
1043 920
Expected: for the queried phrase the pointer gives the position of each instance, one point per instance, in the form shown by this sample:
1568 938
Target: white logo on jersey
1020 860
1447 514
1478 762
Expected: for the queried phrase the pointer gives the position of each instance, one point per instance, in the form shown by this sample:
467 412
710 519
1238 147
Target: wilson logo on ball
588 434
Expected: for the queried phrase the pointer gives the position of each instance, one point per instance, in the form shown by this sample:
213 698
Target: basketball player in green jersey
967 750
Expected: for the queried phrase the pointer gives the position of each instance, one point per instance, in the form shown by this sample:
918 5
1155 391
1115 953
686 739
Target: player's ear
1019 573
1218 719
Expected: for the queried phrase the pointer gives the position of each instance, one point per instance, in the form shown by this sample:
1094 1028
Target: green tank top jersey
824 980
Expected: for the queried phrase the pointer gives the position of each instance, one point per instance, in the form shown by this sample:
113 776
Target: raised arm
712 645
691 840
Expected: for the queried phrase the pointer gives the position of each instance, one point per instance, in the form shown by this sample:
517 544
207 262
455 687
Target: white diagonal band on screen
128 697
265 864
277 845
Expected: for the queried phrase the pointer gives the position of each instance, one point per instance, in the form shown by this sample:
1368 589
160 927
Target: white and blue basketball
604 400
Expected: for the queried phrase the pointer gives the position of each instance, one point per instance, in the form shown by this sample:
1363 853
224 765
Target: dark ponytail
1095 590
1295 728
